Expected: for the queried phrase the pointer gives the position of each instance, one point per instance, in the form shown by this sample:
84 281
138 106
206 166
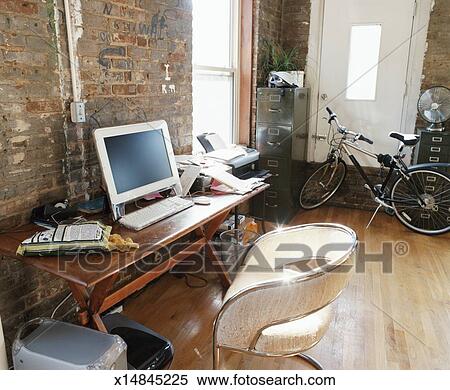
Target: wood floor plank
399 320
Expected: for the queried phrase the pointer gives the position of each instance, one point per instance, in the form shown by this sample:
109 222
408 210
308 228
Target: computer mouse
202 200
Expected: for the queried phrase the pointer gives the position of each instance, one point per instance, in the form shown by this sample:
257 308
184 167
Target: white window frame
233 70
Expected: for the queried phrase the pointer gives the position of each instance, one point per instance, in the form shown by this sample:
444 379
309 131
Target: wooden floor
399 320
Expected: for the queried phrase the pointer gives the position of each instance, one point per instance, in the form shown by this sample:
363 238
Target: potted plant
274 58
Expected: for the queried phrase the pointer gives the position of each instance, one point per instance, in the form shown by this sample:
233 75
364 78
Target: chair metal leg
216 357
311 361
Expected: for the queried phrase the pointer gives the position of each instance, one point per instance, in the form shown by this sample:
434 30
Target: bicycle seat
407 139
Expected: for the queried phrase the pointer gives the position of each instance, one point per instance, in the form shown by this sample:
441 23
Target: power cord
59 305
190 285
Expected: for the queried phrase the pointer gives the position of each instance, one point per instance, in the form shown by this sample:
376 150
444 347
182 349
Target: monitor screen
138 159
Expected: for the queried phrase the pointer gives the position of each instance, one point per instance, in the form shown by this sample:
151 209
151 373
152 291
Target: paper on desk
216 141
227 155
237 185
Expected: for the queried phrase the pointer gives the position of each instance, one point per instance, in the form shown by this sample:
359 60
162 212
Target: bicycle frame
397 165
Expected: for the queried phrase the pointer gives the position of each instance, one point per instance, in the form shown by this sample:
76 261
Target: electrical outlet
77 112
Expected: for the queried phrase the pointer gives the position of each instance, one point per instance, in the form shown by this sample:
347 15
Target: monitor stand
118 210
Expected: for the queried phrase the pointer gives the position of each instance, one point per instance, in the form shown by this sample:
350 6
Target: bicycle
419 196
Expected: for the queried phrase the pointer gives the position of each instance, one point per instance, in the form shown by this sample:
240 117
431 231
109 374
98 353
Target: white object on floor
149 215
3 361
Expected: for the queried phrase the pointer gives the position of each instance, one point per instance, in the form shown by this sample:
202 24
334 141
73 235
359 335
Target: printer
242 160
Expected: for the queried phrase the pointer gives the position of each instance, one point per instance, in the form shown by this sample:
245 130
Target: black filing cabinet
434 147
281 139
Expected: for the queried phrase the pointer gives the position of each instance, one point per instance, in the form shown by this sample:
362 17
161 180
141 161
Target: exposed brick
44 106
20 7
124 89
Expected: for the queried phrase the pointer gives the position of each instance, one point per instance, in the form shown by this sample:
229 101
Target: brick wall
295 27
44 157
266 26
437 58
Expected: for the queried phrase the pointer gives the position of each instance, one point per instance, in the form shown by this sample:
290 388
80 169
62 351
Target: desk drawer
274 140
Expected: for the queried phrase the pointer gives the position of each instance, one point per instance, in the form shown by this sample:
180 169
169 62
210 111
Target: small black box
147 350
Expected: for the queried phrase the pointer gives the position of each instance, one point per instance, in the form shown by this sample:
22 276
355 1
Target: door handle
319 137
274 110
273 143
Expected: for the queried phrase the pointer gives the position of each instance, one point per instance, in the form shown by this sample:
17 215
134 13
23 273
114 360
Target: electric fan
434 107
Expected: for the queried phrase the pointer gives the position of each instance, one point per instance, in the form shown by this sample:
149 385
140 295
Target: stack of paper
230 183
226 155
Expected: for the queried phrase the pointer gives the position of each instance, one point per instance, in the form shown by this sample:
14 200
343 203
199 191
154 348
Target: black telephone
52 214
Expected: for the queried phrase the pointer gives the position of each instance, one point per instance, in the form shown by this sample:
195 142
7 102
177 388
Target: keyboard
156 212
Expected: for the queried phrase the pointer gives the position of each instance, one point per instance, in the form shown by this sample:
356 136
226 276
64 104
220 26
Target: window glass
212 32
363 62
213 105
214 68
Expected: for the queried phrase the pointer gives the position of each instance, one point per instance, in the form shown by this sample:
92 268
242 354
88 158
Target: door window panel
363 62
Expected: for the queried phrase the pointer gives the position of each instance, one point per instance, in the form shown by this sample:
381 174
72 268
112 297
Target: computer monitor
136 160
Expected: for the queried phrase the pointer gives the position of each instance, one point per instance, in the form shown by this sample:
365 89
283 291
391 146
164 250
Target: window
363 62
215 63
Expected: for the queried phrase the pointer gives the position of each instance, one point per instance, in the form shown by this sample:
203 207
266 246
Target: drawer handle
273 143
272 163
275 206
435 149
434 159
274 110
436 139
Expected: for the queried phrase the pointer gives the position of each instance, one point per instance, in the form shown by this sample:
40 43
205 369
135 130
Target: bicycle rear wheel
323 184
434 188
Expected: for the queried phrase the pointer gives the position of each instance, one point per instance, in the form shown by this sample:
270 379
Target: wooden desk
91 277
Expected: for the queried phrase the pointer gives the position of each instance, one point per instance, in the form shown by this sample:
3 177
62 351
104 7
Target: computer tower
46 344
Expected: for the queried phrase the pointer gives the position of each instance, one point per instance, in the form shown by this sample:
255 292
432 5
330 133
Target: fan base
436 128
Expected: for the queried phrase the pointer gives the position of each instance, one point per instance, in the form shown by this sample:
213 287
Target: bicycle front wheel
323 184
433 215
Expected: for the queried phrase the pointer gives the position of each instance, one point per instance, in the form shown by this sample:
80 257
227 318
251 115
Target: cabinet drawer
432 154
435 139
274 140
279 167
279 206
275 106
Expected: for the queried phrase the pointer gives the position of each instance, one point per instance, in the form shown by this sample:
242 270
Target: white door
364 63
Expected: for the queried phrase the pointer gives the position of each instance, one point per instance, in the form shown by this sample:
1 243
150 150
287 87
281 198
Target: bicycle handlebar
343 130
365 139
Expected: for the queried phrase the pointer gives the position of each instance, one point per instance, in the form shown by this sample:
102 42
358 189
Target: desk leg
90 304
98 296
209 232
81 296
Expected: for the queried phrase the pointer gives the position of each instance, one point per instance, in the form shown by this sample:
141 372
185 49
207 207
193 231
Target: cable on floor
189 284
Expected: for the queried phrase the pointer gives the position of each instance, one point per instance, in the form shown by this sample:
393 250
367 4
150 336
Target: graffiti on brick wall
158 28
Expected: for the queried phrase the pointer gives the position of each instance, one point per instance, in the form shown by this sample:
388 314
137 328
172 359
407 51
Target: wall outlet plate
77 112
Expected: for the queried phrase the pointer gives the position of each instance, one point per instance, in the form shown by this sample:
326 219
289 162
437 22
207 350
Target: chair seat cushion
295 336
